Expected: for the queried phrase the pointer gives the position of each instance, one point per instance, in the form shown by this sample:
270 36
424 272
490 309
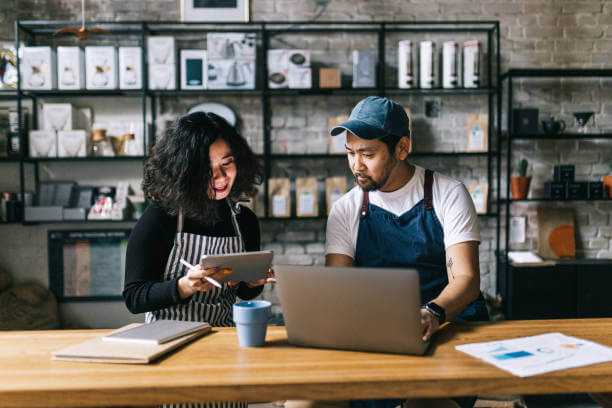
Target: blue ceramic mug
251 320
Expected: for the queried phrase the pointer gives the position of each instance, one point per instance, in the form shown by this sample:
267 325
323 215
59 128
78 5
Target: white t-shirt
451 201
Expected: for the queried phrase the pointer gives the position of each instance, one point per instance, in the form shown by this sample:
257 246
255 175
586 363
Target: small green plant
522 168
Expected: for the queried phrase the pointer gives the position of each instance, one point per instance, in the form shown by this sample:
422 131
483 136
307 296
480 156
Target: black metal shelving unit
506 79
34 31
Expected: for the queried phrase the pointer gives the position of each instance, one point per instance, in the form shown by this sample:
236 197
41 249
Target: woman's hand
194 280
259 282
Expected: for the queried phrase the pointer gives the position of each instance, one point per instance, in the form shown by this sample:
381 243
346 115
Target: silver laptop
367 309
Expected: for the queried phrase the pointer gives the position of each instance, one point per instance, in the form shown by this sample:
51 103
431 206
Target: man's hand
430 324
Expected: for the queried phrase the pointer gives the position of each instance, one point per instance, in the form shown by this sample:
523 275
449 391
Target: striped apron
213 306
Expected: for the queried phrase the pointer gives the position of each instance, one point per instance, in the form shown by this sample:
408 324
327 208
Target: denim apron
414 239
213 306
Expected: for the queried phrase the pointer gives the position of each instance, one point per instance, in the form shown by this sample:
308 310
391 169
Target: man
401 215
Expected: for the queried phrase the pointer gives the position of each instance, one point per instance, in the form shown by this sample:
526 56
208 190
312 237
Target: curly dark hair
177 174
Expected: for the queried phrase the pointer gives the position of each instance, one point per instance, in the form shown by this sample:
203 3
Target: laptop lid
367 309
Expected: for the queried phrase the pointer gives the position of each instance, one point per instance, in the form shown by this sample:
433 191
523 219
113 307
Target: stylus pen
195 268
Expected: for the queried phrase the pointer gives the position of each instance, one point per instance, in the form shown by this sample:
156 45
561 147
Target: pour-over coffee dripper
582 120
67 76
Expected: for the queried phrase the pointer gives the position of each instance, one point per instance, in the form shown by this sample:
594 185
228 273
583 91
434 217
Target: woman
193 179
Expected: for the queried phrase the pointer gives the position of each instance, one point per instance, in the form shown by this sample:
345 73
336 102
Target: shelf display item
101 67
100 145
556 233
120 136
307 197
337 144
162 77
193 69
130 67
70 68
160 50
553 127
471 64
278 68
583 121
449 64
43 143
405 77
298 59
300 78
364 69
329 78
71 143
525 121
279 190
335 187
554 190
38 68
479 193
427 64
57 116
231 74
477 132
595 190
8 66
231 46
564 173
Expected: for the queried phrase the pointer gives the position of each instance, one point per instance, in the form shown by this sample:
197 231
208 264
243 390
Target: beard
370 184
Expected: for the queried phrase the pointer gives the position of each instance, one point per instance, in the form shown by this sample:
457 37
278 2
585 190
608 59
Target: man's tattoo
449 265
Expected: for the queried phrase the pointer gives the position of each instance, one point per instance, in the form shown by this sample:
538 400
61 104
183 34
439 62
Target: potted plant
520 184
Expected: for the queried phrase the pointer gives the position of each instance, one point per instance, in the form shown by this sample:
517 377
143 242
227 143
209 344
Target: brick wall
534 33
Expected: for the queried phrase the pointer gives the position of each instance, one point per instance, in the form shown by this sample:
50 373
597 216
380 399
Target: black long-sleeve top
149 247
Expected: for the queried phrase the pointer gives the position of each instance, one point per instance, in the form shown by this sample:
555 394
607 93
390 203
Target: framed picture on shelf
479 193
215 10
477 132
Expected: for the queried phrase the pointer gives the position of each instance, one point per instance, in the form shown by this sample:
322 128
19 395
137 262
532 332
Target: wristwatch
436 310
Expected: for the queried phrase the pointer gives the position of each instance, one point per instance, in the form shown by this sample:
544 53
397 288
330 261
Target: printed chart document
540 354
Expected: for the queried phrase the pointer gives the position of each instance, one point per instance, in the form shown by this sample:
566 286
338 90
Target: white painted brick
599 243
293 260
315 248
293 236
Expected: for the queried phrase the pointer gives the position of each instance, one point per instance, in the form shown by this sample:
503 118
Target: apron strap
427 188
365 202
179 224
234 220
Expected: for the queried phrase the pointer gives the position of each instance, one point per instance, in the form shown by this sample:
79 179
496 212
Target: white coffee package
427 52
162 76
160 50
449 64
364 69
471 64
405 77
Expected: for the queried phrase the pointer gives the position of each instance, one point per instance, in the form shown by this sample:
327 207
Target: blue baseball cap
375 117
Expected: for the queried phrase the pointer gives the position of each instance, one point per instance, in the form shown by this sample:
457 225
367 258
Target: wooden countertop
215 368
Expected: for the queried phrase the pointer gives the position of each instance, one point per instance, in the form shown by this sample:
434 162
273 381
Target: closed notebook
158 332
97 350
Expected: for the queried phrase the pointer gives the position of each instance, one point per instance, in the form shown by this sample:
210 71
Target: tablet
245 266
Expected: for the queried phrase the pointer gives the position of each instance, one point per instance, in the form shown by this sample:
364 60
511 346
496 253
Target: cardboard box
162 76
43 143
194 72
70 68
38 68
231 74
240 46
72 143
161 50
57 116
101 67
329 78
130 67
